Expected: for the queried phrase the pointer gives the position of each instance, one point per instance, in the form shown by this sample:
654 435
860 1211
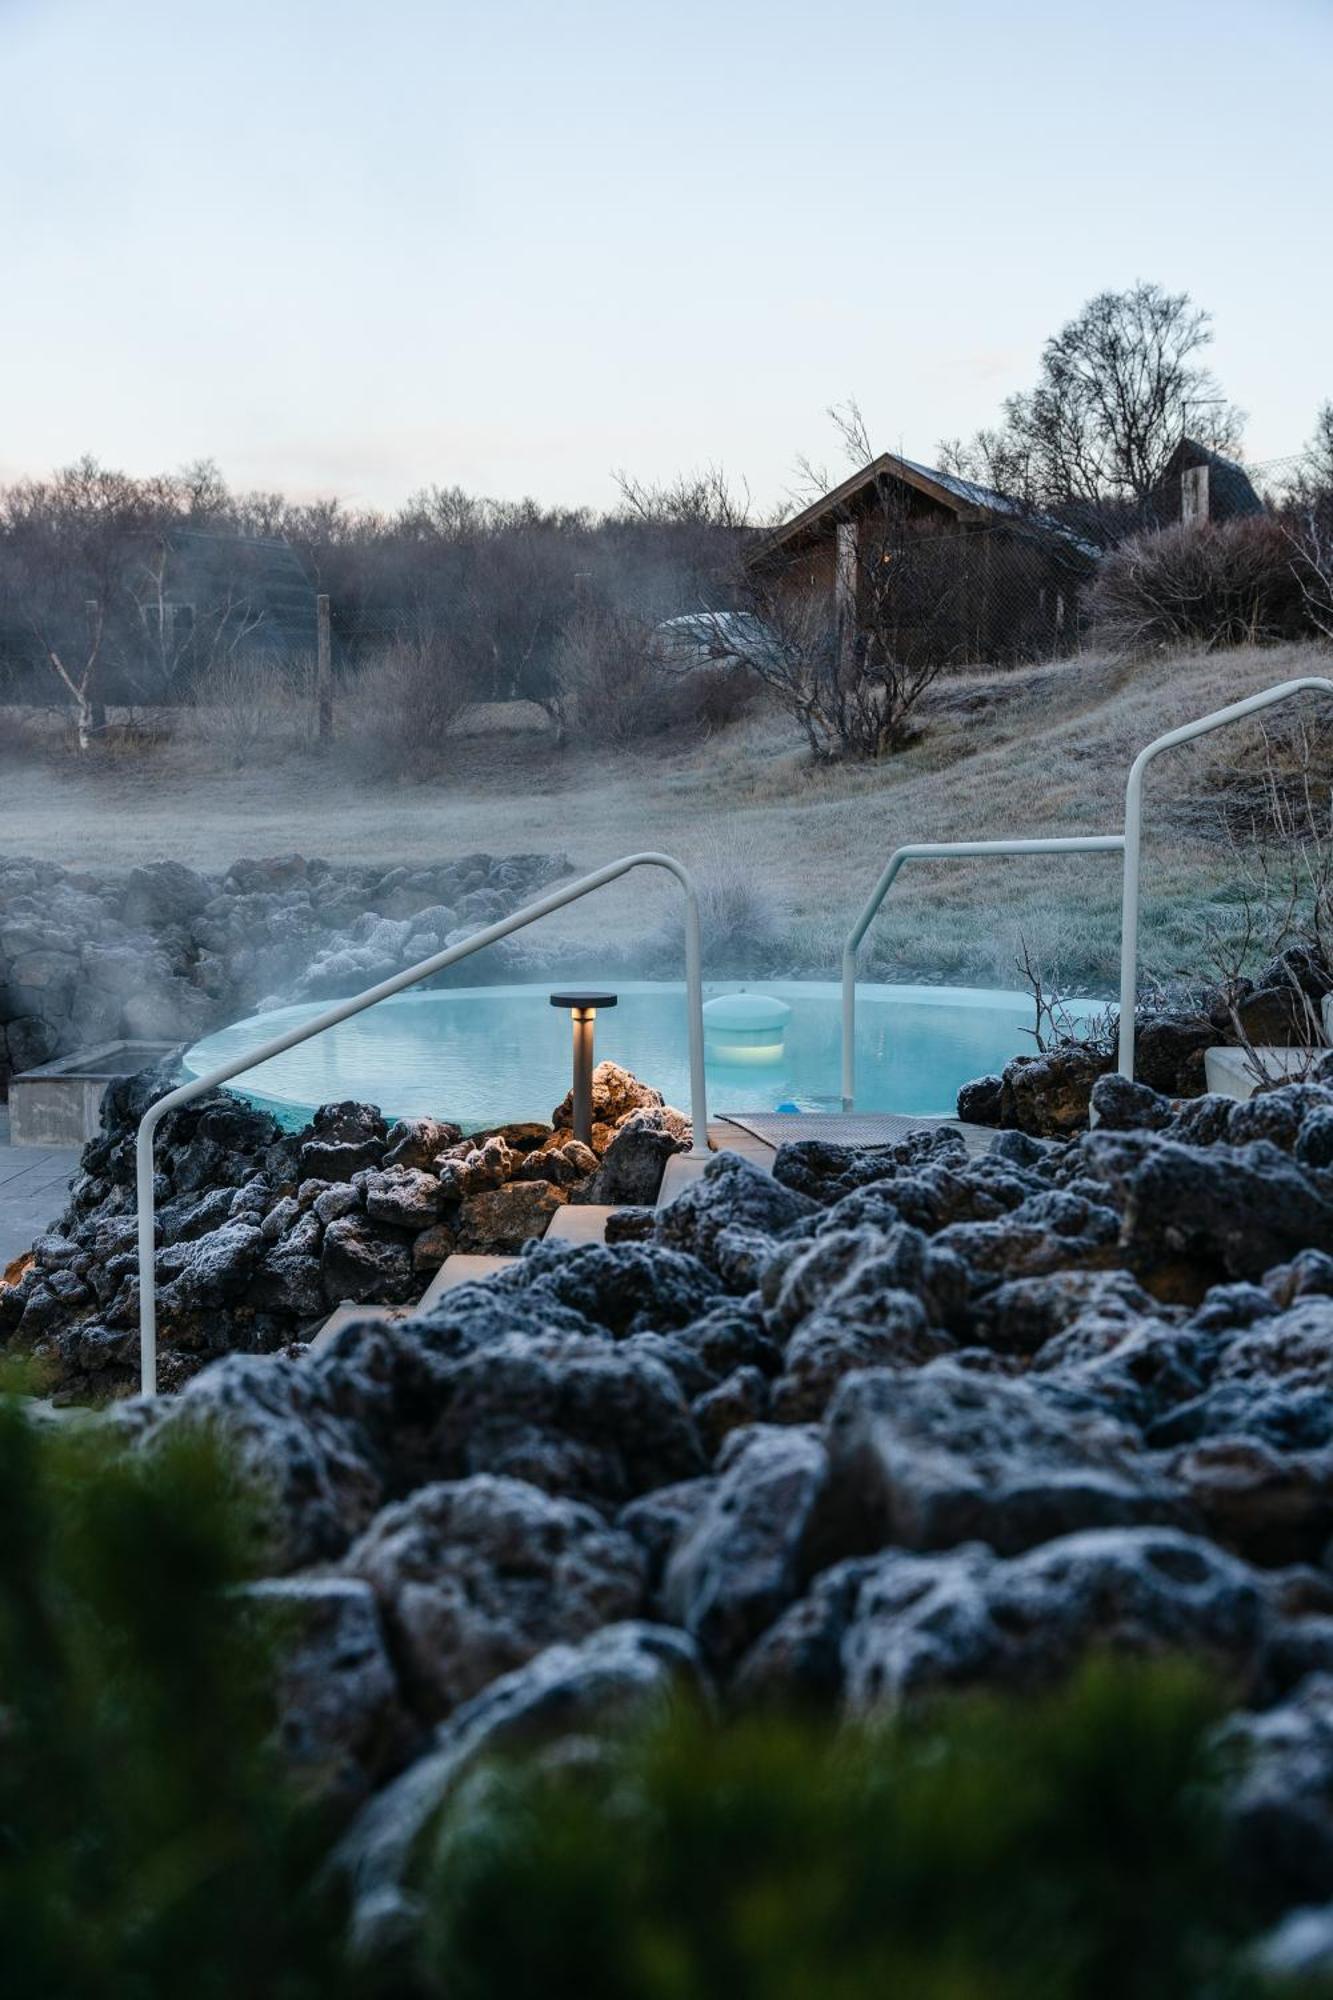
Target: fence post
323 668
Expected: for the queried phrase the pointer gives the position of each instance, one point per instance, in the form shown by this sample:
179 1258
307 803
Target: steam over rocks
163 953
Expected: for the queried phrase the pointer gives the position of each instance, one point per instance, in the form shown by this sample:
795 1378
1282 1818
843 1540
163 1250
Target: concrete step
579 1222
463 1268
1230 1072
681 1172
348 1314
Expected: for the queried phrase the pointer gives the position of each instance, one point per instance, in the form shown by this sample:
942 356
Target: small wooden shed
1200 485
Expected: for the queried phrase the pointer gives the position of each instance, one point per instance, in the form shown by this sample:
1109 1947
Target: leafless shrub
615 683
403 711
1311 536
248 704
743 928
1057 1026
1282 914
1214 583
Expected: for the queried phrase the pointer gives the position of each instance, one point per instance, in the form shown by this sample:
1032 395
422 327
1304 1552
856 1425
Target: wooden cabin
973 576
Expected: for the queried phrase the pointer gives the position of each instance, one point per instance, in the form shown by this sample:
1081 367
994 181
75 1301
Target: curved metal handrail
344 1009
935 850
1129 922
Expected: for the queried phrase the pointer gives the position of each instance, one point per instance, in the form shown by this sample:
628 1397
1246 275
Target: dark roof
1230 490
962 497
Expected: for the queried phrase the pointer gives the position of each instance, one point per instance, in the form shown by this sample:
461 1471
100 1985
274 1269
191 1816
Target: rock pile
161 953
1048 1095
890 1422
262 1232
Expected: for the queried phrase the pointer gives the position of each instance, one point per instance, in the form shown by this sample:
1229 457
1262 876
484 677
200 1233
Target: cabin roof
964 498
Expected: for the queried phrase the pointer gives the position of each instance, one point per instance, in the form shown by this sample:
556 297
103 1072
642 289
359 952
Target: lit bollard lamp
583 1012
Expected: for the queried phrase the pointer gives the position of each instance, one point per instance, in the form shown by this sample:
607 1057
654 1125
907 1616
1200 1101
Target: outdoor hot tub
484 1055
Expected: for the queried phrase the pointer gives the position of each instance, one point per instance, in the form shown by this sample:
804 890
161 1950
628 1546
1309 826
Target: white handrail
343 1011
935 850
1129 922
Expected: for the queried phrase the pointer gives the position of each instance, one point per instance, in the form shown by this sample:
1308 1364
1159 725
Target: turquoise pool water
483 1055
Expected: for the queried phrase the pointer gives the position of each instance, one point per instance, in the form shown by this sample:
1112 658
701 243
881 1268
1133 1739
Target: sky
516 245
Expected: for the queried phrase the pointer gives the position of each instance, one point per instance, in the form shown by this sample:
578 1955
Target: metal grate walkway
848 1128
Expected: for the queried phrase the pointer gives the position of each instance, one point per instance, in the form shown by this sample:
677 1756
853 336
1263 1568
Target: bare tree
61 558
1119 386
851 670
1309 520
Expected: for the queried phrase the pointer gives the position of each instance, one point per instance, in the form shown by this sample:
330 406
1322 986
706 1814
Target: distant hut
979 576
1200 485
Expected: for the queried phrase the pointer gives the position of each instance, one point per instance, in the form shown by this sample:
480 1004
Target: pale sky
357 248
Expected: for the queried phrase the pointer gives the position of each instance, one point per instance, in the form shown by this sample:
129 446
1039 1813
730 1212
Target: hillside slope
789 852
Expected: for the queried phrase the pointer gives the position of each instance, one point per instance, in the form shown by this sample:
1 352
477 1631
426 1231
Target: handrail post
343 1010
694 1006
938 850
1186 733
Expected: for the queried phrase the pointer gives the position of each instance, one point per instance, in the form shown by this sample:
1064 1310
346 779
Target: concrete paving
34 1181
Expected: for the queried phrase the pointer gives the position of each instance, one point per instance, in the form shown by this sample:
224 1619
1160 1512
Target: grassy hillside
790 851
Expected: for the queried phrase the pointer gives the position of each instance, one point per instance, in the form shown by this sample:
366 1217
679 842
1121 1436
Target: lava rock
981 1102
614 1093
898 1627
503 1219
315 1467
365 1262
932 1458
1281 1809
476 1576
729 1194
738 1564
405 1197
341 1724
1192 1214
574 1415
1048 1095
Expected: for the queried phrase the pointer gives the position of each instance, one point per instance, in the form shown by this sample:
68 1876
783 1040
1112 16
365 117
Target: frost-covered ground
789 852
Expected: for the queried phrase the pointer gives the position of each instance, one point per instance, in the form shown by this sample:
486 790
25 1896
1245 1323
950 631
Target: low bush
149 1845
400 716
620 686
1070 1847
249 706
1214 583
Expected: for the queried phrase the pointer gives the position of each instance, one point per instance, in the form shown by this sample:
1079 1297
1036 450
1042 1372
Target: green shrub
149 1846
1066 1849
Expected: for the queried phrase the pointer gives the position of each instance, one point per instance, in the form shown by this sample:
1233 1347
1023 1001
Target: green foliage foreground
1068 1847
151 1846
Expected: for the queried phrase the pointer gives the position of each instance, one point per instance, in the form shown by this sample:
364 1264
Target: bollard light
583 1012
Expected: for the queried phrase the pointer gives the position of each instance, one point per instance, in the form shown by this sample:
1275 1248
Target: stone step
579 1222
1230 1072
463 1268
348 1314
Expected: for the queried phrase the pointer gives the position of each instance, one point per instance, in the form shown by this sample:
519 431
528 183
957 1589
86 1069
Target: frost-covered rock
889 1629
737 1563
475 1576
933 1457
